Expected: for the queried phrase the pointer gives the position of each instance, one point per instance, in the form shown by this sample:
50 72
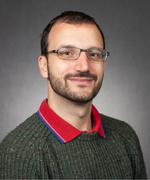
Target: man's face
77 80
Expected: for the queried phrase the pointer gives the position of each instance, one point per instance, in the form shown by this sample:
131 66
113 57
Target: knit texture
32 151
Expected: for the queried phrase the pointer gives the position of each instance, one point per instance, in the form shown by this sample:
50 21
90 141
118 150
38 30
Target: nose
82 63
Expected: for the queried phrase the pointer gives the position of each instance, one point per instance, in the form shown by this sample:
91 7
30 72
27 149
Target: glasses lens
68 53
96 54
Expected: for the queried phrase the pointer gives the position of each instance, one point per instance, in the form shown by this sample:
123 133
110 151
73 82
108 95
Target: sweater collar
63 130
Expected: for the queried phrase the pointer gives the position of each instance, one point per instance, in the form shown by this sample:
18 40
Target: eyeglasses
73 53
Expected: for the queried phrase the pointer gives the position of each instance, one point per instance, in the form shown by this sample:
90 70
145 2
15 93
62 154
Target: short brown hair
71 17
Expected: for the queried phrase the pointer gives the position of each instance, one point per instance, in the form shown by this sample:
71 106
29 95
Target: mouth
81 80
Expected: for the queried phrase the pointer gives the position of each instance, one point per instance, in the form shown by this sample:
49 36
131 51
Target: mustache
81 74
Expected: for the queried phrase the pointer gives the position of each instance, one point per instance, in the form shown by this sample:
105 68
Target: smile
82 80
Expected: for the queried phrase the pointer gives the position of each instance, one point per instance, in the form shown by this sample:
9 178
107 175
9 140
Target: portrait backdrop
125 91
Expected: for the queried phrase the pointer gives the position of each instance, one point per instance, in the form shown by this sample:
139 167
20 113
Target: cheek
61 68
97 68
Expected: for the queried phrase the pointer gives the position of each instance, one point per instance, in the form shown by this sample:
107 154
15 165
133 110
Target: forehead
80 35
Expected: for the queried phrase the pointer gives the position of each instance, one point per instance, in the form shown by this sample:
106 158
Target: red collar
63 130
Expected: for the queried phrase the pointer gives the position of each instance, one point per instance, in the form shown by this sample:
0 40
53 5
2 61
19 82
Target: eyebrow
72 46
63 45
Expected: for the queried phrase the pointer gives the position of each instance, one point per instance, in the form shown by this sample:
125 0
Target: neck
76 114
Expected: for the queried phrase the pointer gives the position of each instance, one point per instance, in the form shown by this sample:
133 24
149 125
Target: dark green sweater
32 151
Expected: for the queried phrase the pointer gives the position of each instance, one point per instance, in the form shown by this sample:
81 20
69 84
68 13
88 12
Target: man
67 138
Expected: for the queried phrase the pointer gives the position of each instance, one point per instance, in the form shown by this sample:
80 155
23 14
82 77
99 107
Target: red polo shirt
61 129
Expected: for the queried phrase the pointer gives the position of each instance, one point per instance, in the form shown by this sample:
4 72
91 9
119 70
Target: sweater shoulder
21 151
31 131
124 133
115 127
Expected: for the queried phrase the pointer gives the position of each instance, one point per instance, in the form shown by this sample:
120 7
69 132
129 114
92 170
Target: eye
94 54
67 53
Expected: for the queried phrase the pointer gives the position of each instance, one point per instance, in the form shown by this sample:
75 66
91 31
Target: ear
42 61
104 64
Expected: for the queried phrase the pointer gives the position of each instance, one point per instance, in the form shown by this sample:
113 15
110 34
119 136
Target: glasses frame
81 50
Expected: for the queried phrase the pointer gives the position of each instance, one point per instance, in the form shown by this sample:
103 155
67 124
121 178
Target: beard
65 91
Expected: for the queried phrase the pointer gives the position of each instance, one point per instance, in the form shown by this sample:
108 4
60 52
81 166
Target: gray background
125 91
